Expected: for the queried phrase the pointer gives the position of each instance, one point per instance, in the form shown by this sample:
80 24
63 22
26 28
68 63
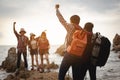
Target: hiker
69 59
44 46
33 47
87 65
21 46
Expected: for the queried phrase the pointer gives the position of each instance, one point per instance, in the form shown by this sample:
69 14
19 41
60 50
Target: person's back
69 59
70 27
86 58
89 28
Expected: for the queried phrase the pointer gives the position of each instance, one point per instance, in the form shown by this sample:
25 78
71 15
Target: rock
9 77
0 67
9 64
61 50
51 66
36 75
12 77
119 56
116 43
116 48
116 40
24 74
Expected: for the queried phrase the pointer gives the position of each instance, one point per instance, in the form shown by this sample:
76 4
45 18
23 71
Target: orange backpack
79 43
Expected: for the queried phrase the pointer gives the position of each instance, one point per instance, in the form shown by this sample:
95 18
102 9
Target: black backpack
101 50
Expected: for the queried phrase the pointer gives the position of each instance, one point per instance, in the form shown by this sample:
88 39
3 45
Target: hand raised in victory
14 23
57 6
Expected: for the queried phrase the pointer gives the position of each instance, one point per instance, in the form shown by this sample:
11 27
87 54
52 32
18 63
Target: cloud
20 7
42 13
101 5
8 8
30 7
94 5
1 35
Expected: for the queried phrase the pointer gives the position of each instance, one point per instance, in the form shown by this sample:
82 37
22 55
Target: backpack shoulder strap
77 27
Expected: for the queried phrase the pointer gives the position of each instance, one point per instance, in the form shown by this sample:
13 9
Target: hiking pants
69 60
19 59
91 68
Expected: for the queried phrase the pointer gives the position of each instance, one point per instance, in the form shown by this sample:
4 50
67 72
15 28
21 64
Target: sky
38 15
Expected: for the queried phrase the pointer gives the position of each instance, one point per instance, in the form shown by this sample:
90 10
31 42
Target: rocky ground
34 75
8 67
111 71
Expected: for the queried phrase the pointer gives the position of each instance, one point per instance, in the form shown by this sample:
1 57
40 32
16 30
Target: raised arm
60 17
14 26
15 32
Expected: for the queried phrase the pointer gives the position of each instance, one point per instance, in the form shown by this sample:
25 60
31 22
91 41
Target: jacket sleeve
15 32
62 20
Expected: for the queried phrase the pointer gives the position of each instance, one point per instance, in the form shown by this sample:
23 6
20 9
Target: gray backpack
100 50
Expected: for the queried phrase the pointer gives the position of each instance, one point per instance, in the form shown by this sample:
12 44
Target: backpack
79 43
101 50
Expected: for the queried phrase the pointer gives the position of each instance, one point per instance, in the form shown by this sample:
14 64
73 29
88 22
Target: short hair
88 26
75 19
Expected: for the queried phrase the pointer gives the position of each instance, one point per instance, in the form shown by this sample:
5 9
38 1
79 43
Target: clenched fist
14 22
57 6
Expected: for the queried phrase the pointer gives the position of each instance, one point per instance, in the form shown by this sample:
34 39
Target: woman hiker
44 46
33 47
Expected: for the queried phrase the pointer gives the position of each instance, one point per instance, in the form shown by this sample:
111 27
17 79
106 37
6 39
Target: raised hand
57 6
14 23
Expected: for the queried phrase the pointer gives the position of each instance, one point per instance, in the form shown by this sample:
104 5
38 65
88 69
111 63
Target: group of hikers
79 69
84 50
36 45
78 48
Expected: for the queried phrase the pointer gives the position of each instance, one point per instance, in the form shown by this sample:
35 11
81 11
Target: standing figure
33 46
21 46
87 65
69 59
44 46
